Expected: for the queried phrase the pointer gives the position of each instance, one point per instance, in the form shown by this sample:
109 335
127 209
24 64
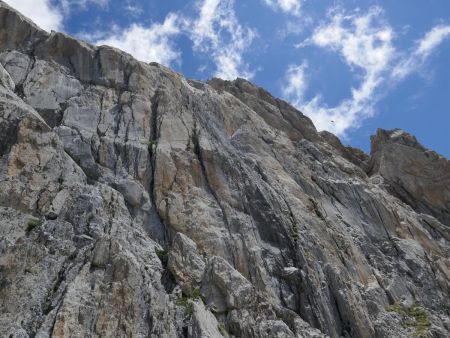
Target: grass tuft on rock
184 301
222 330
421 322
163 255
47 308
414 317
195 294
32 224
394 308
152 145
294 232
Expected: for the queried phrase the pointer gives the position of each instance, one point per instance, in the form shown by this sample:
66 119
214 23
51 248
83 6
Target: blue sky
352 66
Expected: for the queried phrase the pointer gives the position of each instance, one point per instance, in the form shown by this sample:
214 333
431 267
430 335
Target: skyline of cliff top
351 66
135 202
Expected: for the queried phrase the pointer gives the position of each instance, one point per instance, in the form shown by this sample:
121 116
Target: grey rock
224 288
5 79
418 176
204 324
285 231
185 263
17 64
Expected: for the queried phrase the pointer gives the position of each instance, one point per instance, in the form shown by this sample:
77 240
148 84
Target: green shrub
188 308
184 301
294 232
394 308
163 255
222 330
195 294
307 255
47 308
414 317
152 144
33 223
421 322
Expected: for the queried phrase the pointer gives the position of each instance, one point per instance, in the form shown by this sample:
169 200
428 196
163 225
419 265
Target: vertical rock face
137 203
417 176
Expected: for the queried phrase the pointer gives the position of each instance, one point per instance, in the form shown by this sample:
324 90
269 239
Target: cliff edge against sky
137 203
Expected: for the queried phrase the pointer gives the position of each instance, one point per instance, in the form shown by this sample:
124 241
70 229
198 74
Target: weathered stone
418 176
5 79
270 229
185 263
204 324
224 288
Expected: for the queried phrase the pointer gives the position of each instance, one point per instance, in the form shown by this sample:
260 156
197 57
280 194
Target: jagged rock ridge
137 203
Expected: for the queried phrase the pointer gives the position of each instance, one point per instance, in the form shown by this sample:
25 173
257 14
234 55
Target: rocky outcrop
137 203
416 175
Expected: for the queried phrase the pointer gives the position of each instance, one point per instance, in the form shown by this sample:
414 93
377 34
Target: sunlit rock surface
137 203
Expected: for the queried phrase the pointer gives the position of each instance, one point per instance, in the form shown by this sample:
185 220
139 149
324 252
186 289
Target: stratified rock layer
137 203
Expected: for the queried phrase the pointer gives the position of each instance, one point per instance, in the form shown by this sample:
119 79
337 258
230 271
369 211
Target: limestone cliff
137 203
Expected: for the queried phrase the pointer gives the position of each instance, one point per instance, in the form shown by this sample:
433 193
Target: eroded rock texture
137 203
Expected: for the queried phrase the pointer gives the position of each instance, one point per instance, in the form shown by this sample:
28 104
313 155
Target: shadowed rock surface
137 203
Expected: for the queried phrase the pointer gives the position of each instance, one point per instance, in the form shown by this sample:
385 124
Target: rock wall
137 203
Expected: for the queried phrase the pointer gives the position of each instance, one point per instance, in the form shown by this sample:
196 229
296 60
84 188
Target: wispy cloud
214 31
50 15
42 12
69 5
421 52
296 83
134 10
365 44
292 7
217 32
148 43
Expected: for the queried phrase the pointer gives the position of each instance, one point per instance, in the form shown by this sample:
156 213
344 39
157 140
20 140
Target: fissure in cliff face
137 203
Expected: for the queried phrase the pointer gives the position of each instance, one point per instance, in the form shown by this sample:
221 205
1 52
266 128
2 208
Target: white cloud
42 12
421 52
365 44
50 16
292 7
296 82
432 39
217 32
134 10
67 5
147 43
362 41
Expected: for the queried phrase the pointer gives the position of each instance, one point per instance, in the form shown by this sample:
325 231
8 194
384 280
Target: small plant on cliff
184 301
222 330
421 323
294 232
414 317
394 308
163 255
152 145
47 307
195 294
33 223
